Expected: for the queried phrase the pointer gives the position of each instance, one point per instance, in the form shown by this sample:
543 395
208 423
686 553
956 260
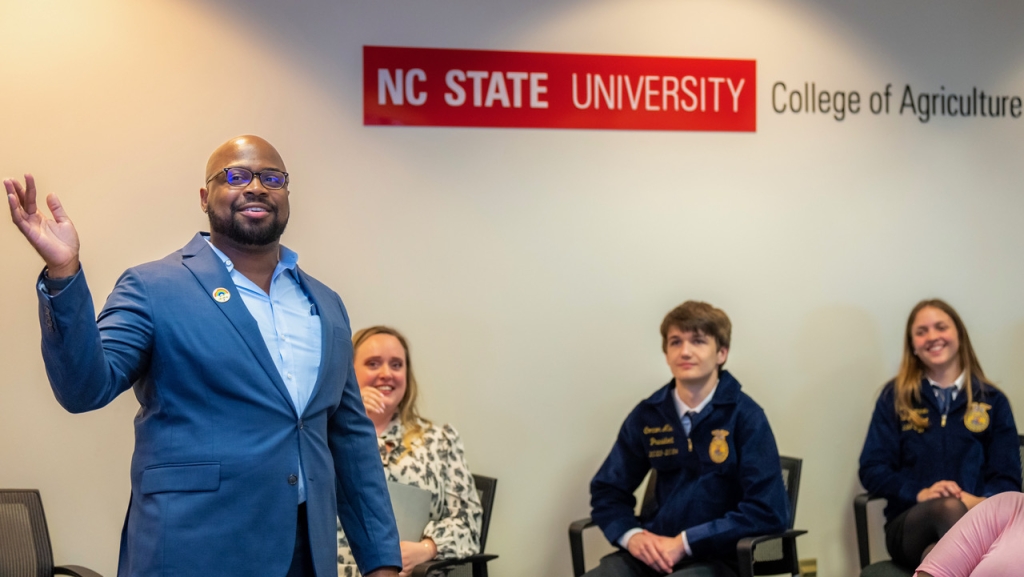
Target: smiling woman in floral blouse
414 451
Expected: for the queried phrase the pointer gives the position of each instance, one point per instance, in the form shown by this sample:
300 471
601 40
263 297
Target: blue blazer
217 438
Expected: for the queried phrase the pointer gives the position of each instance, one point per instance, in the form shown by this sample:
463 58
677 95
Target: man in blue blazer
251 437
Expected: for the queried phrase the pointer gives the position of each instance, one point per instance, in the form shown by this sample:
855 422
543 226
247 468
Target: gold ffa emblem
719 449
976 420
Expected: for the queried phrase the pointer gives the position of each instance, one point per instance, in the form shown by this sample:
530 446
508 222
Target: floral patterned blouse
436 463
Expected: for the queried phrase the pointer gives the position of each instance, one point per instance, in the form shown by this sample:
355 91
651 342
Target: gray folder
412 510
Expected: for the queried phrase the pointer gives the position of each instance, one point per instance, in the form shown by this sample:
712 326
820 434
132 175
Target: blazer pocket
192 477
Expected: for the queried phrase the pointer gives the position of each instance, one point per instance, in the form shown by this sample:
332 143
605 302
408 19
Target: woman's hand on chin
373 401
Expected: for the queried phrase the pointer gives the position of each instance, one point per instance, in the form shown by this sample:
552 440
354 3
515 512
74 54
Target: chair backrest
1021 445
485 487
24 538
649 506
791 468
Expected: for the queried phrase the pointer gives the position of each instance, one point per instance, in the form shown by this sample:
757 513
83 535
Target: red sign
441 87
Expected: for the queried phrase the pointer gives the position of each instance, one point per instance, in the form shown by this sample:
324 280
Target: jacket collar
728 392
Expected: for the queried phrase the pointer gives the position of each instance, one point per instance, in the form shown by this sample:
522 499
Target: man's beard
248 233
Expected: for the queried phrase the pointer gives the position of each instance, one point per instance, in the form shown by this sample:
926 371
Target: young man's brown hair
698 317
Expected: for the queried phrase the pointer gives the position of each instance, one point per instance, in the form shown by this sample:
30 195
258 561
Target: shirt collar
958 383
682 408
288 259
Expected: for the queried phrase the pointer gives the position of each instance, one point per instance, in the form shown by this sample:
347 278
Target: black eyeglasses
238 176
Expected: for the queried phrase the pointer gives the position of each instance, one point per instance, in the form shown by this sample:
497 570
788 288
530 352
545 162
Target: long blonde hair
407 411
912 370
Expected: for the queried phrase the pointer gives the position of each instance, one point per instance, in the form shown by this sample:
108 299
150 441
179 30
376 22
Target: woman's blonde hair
912 369
407 412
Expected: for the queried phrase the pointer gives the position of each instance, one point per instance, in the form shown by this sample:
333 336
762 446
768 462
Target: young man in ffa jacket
718 472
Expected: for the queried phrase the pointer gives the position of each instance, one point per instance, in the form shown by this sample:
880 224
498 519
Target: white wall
530 268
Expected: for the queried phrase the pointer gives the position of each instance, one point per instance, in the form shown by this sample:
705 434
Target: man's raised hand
55 239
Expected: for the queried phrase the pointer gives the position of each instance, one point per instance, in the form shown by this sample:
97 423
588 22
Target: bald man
251 437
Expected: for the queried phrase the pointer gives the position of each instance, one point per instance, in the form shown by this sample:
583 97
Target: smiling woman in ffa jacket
942 438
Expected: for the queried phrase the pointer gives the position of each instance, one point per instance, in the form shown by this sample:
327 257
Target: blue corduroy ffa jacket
898 461
720 484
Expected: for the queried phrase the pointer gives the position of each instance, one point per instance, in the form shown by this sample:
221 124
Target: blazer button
293 479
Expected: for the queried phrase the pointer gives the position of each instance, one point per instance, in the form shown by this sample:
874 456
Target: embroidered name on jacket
907 425
666 428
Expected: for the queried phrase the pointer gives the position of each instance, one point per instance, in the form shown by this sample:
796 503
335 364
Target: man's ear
203 193
723 355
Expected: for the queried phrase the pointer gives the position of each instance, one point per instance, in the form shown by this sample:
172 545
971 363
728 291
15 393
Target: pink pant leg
987 542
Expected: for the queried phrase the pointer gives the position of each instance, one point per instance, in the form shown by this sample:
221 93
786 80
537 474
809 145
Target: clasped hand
948 489
659 553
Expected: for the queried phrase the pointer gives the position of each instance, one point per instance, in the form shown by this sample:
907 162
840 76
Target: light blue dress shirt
290 327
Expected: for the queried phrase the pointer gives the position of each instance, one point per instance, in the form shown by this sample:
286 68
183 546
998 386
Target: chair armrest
423 569
75 571
577 527
860 517
745 552
748 543
576 544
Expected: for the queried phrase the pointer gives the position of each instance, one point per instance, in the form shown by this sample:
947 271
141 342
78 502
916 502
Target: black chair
25 540
485 487
860 516
761 555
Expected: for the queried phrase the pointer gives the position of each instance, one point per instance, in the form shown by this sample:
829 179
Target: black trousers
622 564
302 558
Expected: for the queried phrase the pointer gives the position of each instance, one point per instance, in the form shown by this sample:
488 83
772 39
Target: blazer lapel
326 333
209 270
